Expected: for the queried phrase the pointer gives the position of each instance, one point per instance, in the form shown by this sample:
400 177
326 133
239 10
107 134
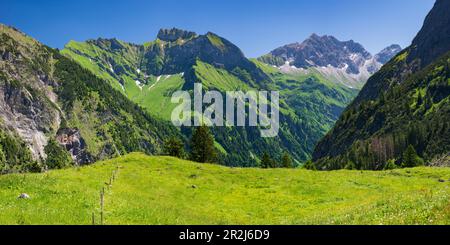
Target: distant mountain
45 97
149 73
388 53
343 62
406 103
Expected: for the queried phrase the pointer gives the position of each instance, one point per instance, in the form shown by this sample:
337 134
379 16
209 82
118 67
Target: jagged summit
172 35
346 62
323 51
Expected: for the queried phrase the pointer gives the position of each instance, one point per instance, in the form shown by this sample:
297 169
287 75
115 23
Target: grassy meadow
165 190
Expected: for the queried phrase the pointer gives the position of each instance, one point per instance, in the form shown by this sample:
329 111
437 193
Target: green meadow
165 190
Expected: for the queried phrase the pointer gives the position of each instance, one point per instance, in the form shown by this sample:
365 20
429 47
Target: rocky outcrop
71 140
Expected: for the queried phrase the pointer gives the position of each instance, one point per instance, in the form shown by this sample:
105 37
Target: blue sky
256 26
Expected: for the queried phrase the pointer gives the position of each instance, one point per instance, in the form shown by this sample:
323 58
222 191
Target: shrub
390 165
309 165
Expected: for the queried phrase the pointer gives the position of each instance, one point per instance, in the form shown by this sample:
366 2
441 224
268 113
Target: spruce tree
410 158
286 161
266 161
174 147
202 146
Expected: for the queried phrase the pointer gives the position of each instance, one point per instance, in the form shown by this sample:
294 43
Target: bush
309 165
390 165
351 166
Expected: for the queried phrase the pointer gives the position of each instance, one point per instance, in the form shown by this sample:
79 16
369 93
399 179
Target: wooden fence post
102 195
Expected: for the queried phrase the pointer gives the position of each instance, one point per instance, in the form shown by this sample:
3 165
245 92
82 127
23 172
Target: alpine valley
312 98
96 116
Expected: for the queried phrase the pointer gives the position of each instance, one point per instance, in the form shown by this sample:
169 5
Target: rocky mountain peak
323 51
388 53
171 35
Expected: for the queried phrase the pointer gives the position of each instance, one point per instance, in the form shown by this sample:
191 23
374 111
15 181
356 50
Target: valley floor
164 190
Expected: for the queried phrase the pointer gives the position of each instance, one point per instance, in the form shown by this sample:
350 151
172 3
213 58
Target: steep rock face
405 103
24 106
433 39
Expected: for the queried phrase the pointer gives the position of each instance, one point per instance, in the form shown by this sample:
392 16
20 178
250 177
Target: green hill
165 190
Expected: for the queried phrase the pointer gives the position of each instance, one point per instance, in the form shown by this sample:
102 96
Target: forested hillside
403 111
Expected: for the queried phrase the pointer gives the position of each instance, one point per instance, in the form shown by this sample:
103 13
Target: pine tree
202 146
266 161
410 158
174 147
286 161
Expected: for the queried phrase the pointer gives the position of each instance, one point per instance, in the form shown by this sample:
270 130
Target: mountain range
345 62
148 73
106 97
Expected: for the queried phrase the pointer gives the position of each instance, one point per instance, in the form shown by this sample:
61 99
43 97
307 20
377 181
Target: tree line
203 150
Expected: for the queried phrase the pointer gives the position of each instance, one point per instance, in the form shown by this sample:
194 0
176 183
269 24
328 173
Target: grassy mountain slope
164 190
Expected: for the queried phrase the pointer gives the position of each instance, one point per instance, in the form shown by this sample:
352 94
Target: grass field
164 190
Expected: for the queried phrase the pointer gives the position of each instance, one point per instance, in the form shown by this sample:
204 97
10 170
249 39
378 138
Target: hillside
164 190
406 103
149 73
47 98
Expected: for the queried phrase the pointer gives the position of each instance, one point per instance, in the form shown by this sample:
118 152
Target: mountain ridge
346 62
45 97
405 103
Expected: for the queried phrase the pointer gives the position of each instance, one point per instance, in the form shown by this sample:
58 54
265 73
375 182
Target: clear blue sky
256 26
